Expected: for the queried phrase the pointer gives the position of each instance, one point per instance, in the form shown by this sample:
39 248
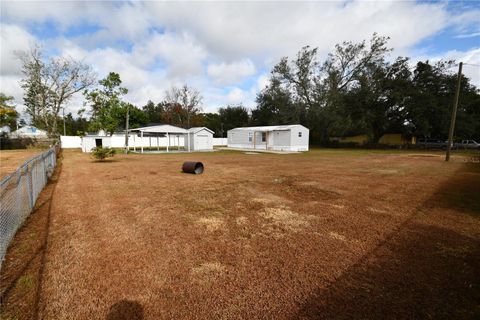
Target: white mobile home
29 132
278 138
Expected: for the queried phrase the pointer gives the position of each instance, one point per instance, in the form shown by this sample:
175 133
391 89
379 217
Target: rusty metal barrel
192 167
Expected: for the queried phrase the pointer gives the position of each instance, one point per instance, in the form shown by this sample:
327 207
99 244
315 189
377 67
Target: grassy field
11 159
329 234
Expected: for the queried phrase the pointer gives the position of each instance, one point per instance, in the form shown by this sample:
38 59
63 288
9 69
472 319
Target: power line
471 64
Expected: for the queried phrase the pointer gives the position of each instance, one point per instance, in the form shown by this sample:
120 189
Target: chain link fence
19 192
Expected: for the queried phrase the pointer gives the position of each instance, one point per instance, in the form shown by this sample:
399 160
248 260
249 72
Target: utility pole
454 112
126 129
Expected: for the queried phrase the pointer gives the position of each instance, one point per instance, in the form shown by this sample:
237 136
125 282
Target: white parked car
468 144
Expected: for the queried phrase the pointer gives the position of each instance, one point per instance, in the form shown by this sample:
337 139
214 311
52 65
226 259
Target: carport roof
164 128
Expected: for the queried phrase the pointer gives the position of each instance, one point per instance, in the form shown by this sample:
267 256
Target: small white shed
200 138
90 142
293 137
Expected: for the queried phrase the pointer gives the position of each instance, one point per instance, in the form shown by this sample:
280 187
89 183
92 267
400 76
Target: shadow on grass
26 255
461 192
106 161
420 271
125 310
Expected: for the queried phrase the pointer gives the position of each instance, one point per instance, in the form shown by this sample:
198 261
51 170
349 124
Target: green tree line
357 89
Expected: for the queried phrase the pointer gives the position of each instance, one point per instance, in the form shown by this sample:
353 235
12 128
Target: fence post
30 187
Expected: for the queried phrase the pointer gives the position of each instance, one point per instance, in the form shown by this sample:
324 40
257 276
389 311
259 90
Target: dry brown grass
285 218
211 223
11 159
326 234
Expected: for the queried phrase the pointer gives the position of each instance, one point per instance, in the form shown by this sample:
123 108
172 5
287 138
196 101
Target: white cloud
10 85
470 58
239 96
466 21
180 53
171 43
236 30
262 82
236 95
231 73
12 38
468 35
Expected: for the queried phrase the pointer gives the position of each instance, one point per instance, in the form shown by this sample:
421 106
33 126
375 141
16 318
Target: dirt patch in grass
211 223
322 235
285 218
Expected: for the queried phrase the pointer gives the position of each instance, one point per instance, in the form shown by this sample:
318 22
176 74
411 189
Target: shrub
101 154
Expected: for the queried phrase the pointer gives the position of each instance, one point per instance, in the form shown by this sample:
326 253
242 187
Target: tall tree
233 116
182 105
376 102
137 117
106 106
213 122
275 105
76 126
317 89
154 112
49 84
429 108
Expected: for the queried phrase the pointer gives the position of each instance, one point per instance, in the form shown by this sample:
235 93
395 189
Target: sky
226 50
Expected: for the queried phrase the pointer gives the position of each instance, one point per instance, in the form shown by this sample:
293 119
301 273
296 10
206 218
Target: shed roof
268 128
164 128
197 129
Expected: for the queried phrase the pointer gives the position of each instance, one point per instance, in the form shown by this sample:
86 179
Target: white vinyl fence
71 142
219 141
118 141
19 192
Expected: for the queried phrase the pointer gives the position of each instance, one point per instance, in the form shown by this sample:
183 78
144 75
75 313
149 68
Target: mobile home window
250 137
299 134
264 136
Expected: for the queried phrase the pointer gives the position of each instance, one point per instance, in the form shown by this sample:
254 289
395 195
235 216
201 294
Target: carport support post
141 138
188 141
158 143
168 141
